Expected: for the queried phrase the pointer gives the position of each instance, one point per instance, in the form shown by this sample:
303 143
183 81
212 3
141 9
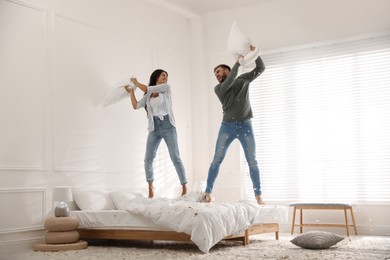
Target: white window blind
322 123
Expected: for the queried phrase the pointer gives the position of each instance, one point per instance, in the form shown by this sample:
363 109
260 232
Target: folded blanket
206 223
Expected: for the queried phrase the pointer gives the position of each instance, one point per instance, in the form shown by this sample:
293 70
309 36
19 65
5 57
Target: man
237 113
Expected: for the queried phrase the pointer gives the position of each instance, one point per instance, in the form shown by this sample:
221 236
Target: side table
61 234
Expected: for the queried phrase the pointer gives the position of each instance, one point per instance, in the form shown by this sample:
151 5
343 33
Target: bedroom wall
58 59
277 25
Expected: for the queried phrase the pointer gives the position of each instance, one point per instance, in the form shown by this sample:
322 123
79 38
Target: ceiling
202 7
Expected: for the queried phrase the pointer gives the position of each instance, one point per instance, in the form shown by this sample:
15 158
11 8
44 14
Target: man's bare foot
183 189
259 200
151 190
207 197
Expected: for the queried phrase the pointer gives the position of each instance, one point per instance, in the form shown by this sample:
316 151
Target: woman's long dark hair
153 80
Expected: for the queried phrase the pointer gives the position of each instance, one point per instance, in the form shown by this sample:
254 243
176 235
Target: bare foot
151 190
207 197
259 200
184 189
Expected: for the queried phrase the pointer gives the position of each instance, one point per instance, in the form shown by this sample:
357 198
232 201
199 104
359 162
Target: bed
128 215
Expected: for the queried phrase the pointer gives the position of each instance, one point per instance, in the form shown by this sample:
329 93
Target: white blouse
159 107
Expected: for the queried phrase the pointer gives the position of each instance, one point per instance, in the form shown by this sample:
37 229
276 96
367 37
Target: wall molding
22 240
58 15
40 190
155 47
174 8
23 168
42 166
36 7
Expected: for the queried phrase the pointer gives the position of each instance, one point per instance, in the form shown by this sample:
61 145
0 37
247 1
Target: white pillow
121 197
117 93
250 58
238 42
93 200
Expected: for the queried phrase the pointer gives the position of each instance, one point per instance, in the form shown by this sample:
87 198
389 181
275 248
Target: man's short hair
224 66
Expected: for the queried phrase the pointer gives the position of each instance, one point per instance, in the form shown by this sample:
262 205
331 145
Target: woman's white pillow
93 200
238 42
117 93
121 198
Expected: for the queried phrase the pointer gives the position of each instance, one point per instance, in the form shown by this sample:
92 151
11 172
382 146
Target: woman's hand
134 80
129 88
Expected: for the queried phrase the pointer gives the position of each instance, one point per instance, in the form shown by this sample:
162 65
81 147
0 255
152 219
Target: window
322 123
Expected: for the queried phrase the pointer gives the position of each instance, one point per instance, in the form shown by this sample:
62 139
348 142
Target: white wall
282 24
58 59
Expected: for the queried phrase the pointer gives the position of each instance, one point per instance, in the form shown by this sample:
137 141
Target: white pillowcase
117 93
249 59
238 42
122 197
93 200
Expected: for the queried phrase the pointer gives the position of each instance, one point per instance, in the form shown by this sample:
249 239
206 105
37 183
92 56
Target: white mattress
113 219
122 219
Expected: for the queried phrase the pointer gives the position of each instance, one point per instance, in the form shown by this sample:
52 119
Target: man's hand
241 60
240 57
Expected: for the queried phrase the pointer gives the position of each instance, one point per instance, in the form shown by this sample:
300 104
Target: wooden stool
322 206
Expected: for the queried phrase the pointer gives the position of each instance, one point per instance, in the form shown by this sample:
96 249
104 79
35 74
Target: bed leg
277 235
245 238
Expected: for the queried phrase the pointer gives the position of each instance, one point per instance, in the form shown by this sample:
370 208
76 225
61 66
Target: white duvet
206 223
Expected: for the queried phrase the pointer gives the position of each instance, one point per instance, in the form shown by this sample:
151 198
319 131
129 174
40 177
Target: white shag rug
261 247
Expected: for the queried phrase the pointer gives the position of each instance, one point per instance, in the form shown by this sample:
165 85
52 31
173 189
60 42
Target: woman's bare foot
183 189
259 200
151 190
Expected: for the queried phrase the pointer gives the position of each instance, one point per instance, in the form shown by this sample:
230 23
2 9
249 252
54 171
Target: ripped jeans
228 132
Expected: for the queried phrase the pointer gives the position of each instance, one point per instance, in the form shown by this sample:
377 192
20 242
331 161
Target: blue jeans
163 129
228 132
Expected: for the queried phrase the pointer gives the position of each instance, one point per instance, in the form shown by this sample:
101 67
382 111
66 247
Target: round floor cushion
62 237
61 224
61 247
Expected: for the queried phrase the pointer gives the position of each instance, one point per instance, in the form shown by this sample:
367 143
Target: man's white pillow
93 200
122 197
238 42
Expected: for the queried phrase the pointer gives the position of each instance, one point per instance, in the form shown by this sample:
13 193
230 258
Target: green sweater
234 93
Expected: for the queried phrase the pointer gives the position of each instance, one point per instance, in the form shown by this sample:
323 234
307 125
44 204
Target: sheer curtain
322 123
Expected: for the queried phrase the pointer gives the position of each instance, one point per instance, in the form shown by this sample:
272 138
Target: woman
157 102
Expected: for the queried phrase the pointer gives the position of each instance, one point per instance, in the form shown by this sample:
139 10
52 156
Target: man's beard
223 78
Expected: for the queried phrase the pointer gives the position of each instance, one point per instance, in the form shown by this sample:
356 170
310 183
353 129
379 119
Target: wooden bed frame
121 234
